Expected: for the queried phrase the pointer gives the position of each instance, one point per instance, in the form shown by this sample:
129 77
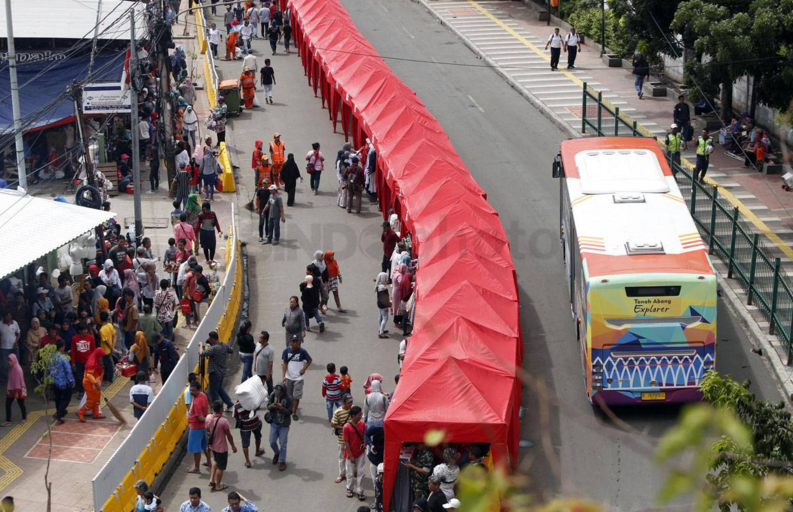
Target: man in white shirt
246 32
9 342
214 39
143 130
264 17
555 41
572 43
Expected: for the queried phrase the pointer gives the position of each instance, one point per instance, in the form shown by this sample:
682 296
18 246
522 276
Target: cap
41 290
347 398
294 337
386 224
276 135
273 187
673 126
454 503
125 157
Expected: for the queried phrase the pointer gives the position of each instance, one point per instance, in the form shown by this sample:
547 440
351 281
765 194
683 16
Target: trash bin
230 89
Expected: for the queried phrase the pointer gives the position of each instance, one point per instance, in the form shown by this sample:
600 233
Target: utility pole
166 114
77 91
96 36
12 67
602 27
133 96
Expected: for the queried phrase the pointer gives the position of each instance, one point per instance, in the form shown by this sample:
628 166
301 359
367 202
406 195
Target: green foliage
648 23
42 368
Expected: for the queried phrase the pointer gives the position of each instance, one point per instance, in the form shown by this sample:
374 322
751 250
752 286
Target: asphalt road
508 146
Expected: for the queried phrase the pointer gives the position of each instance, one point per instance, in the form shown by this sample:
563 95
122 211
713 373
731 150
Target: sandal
260 453
349 493
211 485
223 487
247 464
194 471
361 497
340 479
206 464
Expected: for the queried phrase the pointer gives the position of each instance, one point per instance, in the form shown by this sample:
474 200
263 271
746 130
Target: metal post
133 97
602 27
583 111
78 115
753 267
735 213
635 129
549 11
713 219
777 264
789 340
96 36
600 113
12 68
693 199
616 121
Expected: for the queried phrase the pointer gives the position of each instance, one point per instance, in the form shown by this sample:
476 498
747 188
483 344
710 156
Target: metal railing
726 231
219 316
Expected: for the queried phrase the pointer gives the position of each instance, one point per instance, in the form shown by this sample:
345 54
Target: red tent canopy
461 371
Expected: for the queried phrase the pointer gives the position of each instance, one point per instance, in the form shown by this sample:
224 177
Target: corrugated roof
70 19
31 227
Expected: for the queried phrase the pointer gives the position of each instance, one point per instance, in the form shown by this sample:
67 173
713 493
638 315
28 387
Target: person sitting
756 150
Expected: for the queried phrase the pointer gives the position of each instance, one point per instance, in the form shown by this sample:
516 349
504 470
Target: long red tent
462 370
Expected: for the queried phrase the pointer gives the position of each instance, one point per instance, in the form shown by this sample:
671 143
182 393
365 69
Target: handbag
310 168
219 185
268 417
198 296
383 299
186 307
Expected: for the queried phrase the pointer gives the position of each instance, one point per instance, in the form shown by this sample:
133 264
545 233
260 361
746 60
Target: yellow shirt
107 333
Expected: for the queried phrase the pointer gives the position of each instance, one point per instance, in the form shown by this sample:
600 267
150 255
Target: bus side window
558 170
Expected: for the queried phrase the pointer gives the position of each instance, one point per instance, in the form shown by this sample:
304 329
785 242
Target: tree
42 371
649 22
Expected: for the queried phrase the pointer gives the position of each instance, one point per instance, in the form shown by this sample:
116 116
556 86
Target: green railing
724 229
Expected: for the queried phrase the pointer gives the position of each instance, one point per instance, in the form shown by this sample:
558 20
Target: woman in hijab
150 288
375 405
131 282
367 386
102 304
396 294
448 472
139 352
334 277
309 295
192 209
110 278
319 270
33 340
383 303
206 226
290 173
16 389
92 384
405 291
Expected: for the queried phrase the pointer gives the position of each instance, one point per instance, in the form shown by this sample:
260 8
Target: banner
106 98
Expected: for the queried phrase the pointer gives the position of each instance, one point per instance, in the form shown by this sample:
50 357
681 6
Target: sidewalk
509 37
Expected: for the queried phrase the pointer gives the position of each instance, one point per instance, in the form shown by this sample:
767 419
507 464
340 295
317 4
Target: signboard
106 98
24 57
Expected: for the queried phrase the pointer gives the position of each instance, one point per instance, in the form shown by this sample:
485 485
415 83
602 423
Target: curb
782 374
531 98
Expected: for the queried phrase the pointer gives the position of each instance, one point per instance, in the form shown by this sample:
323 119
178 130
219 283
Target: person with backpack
354 178
555 42
572 45
641 70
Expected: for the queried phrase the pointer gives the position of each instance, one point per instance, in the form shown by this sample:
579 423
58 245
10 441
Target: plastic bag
251 393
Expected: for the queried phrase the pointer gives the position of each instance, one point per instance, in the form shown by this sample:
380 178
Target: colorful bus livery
642 288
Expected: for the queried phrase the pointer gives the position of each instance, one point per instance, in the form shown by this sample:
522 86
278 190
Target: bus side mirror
557 167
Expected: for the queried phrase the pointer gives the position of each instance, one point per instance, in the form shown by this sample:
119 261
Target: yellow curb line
11 470
760 225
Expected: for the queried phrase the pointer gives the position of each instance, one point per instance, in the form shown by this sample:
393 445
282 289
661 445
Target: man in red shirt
51 338
83 345
196 422
389 239
355 451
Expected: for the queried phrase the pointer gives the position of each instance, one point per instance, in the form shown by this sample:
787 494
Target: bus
643 291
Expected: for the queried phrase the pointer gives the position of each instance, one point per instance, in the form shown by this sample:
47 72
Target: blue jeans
315 314
189 134
315 176
4 363
329 404
273 229
638 82
279 435
216 389
247 366
209 185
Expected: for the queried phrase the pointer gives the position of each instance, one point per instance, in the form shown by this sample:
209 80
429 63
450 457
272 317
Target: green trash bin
230 89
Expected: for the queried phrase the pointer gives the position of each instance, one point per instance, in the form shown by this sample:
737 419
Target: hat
276 135
221 98
673 126
273 187
386 224
41 290
125 157
347 397
294 337
453 503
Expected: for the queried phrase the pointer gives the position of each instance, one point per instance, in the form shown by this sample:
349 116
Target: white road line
383 6
408 33
434 59
476 104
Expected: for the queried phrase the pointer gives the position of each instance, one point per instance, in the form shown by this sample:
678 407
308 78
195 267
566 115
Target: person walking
253 17
165 355
383 303
275 214
682 118
248 86
228 17
263 359
140 395
572 45
290 173
354 452
16 390
217 355
334 277
337 421
389 238
206 226
315 166
219 440
263 172
248 422
165 301
555 42
704 149
256 160
190 124
310 297
641 70
246 347
246 32
268 81
92 384
674 140
331 390
215 37
280 405
210 168
196 422
287 31
273 34
294 321
354 178
295 363
264 18
62 381
277 156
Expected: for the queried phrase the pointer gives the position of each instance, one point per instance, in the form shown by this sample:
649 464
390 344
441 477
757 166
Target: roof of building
70 19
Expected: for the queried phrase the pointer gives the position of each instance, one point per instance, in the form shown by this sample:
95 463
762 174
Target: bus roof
629 215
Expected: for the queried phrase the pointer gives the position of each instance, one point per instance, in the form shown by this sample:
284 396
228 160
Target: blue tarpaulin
34 97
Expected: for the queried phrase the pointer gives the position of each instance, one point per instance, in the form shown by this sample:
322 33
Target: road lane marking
476 104
408 33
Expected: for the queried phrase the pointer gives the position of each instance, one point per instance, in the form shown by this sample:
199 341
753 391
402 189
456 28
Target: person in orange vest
231 45
277 149
264 171
248 86
256 160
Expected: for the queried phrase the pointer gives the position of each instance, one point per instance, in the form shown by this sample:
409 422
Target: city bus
642 287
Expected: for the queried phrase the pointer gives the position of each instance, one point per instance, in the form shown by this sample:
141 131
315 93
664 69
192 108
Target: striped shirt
340 417
331 388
